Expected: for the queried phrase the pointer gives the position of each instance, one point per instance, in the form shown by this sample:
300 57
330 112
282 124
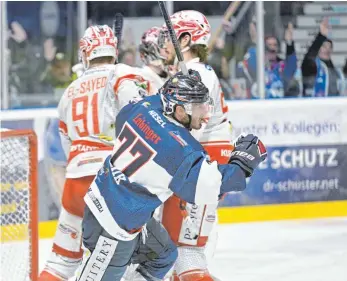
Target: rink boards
303 177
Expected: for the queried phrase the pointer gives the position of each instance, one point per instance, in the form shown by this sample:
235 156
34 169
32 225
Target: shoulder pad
123 69
206 71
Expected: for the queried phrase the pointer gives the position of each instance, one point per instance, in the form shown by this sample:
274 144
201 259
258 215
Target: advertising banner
307 150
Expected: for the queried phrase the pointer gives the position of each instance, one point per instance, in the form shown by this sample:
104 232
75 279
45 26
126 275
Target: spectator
215 59
30 63
219 63
59 74
279 73
345 80
127 48
295 87
320 77
127 56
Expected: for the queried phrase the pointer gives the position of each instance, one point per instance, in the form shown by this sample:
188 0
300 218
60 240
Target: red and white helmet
149 47
99 41
194 23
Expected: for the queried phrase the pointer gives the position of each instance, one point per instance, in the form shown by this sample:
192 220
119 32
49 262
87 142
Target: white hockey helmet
194 23
98 41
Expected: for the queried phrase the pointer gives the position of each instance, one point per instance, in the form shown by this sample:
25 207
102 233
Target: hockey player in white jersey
87 113
154 69
193 32
155 156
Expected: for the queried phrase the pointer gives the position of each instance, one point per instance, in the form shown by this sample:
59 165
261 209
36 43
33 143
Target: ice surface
296 250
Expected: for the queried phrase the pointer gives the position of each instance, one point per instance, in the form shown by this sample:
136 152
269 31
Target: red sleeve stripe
62 127
133 77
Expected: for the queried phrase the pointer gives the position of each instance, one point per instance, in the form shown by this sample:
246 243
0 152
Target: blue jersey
154 157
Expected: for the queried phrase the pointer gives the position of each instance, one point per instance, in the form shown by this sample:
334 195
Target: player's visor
202 110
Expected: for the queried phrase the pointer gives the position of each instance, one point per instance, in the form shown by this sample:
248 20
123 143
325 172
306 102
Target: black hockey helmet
183 90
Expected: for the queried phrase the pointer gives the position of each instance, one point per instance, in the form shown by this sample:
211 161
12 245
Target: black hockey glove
248 153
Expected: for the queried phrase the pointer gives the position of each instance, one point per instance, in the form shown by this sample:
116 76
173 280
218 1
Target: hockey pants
152 249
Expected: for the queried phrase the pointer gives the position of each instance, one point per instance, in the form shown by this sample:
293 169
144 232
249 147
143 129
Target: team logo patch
210 218
146 104
178 138
67 229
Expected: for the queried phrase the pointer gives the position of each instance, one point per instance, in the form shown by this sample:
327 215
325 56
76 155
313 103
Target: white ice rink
297 250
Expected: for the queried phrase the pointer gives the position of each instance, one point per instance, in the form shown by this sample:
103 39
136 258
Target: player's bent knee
196 275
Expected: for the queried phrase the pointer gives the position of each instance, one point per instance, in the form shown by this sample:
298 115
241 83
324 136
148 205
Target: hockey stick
118 28
173 37
227 15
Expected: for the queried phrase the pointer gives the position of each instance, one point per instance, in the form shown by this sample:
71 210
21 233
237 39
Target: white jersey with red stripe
193 228
217 129
155 80
214 136
87 113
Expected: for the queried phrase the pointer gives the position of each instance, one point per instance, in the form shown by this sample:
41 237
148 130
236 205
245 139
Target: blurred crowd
45 66
285 75
35 67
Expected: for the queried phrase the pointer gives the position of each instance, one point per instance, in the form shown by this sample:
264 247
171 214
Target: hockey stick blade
173 37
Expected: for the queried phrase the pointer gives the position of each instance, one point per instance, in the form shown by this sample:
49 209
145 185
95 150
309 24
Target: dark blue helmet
182 90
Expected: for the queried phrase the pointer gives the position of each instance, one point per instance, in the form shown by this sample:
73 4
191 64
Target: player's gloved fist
248 153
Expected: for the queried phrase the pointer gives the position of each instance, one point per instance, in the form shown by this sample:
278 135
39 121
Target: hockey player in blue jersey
155 156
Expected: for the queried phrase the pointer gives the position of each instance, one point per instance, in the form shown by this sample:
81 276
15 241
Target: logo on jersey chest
144 126
157 118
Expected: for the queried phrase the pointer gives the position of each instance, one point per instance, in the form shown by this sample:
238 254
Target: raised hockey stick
227 15
173 37
118 28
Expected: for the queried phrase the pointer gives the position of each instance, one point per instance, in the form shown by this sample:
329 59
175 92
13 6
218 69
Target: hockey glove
248 153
